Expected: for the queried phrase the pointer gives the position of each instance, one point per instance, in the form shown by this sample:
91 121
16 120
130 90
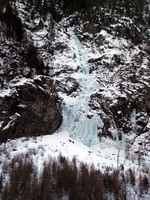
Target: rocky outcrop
128 112
29 107
69 86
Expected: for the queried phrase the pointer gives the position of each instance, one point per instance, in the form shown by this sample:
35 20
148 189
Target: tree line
20 179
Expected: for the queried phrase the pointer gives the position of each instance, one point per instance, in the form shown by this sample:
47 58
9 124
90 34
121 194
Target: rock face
126 102
29 108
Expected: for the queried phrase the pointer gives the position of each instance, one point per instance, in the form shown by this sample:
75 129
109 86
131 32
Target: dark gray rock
129 113
29 107
68 86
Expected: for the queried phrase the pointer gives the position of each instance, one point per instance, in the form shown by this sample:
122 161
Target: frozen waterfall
79 120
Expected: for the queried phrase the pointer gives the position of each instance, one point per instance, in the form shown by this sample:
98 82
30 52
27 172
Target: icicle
133 120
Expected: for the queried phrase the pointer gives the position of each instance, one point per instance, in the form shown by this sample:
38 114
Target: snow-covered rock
29 107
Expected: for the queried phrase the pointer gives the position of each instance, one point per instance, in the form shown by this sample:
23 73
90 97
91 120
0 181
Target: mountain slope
86 67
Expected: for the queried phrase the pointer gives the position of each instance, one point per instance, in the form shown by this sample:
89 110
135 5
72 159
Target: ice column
81 123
